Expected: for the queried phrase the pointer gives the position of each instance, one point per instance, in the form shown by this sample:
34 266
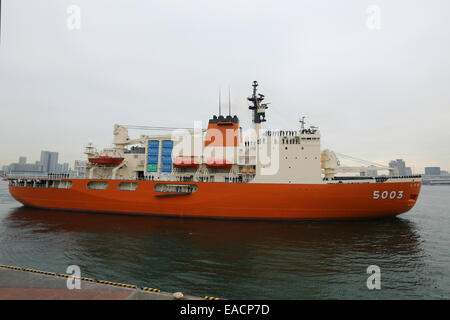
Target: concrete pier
27 284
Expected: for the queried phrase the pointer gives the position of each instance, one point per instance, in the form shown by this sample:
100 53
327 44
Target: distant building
65 167
47 164
372 173
28 168
62 168
80 168
433 171
369 173
408 171
22 167
400 165
436 176
49 161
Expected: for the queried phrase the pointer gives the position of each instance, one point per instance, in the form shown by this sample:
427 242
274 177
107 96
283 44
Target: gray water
241 259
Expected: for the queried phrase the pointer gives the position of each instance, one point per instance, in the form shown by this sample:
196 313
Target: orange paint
223 132
186 162
230 200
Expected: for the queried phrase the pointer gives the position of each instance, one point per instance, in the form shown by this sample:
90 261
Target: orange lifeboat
219 163
181 162
106 160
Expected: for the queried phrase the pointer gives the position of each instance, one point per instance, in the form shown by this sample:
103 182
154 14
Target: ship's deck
57 181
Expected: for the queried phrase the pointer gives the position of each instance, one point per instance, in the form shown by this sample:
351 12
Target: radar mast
258 108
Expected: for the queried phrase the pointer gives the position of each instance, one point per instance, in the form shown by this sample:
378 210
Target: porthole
128 186
97 185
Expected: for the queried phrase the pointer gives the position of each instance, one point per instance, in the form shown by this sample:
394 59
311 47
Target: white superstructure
222 154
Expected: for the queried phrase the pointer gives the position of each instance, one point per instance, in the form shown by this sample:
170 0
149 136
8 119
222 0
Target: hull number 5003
387 195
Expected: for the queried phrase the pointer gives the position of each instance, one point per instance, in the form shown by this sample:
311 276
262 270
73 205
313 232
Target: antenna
229 101
302 121
0 21
220 103
258 108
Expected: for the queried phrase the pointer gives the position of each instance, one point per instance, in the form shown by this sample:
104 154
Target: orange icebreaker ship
222 172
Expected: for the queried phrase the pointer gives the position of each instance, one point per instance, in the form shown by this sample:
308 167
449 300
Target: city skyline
377 95
400 164
48 163
415 169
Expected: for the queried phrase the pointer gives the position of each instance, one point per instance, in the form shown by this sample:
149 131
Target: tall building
400 165
369 173
45 155
372 173
433 171
65 167
49 161
22 160
79 167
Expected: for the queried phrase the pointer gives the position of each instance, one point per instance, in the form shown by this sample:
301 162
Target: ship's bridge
288 156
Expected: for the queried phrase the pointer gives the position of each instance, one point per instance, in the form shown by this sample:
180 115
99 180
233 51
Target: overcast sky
376 94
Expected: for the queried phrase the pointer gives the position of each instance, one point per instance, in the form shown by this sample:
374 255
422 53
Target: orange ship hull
231 200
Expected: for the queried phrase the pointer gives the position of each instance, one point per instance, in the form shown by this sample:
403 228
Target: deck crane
331 165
